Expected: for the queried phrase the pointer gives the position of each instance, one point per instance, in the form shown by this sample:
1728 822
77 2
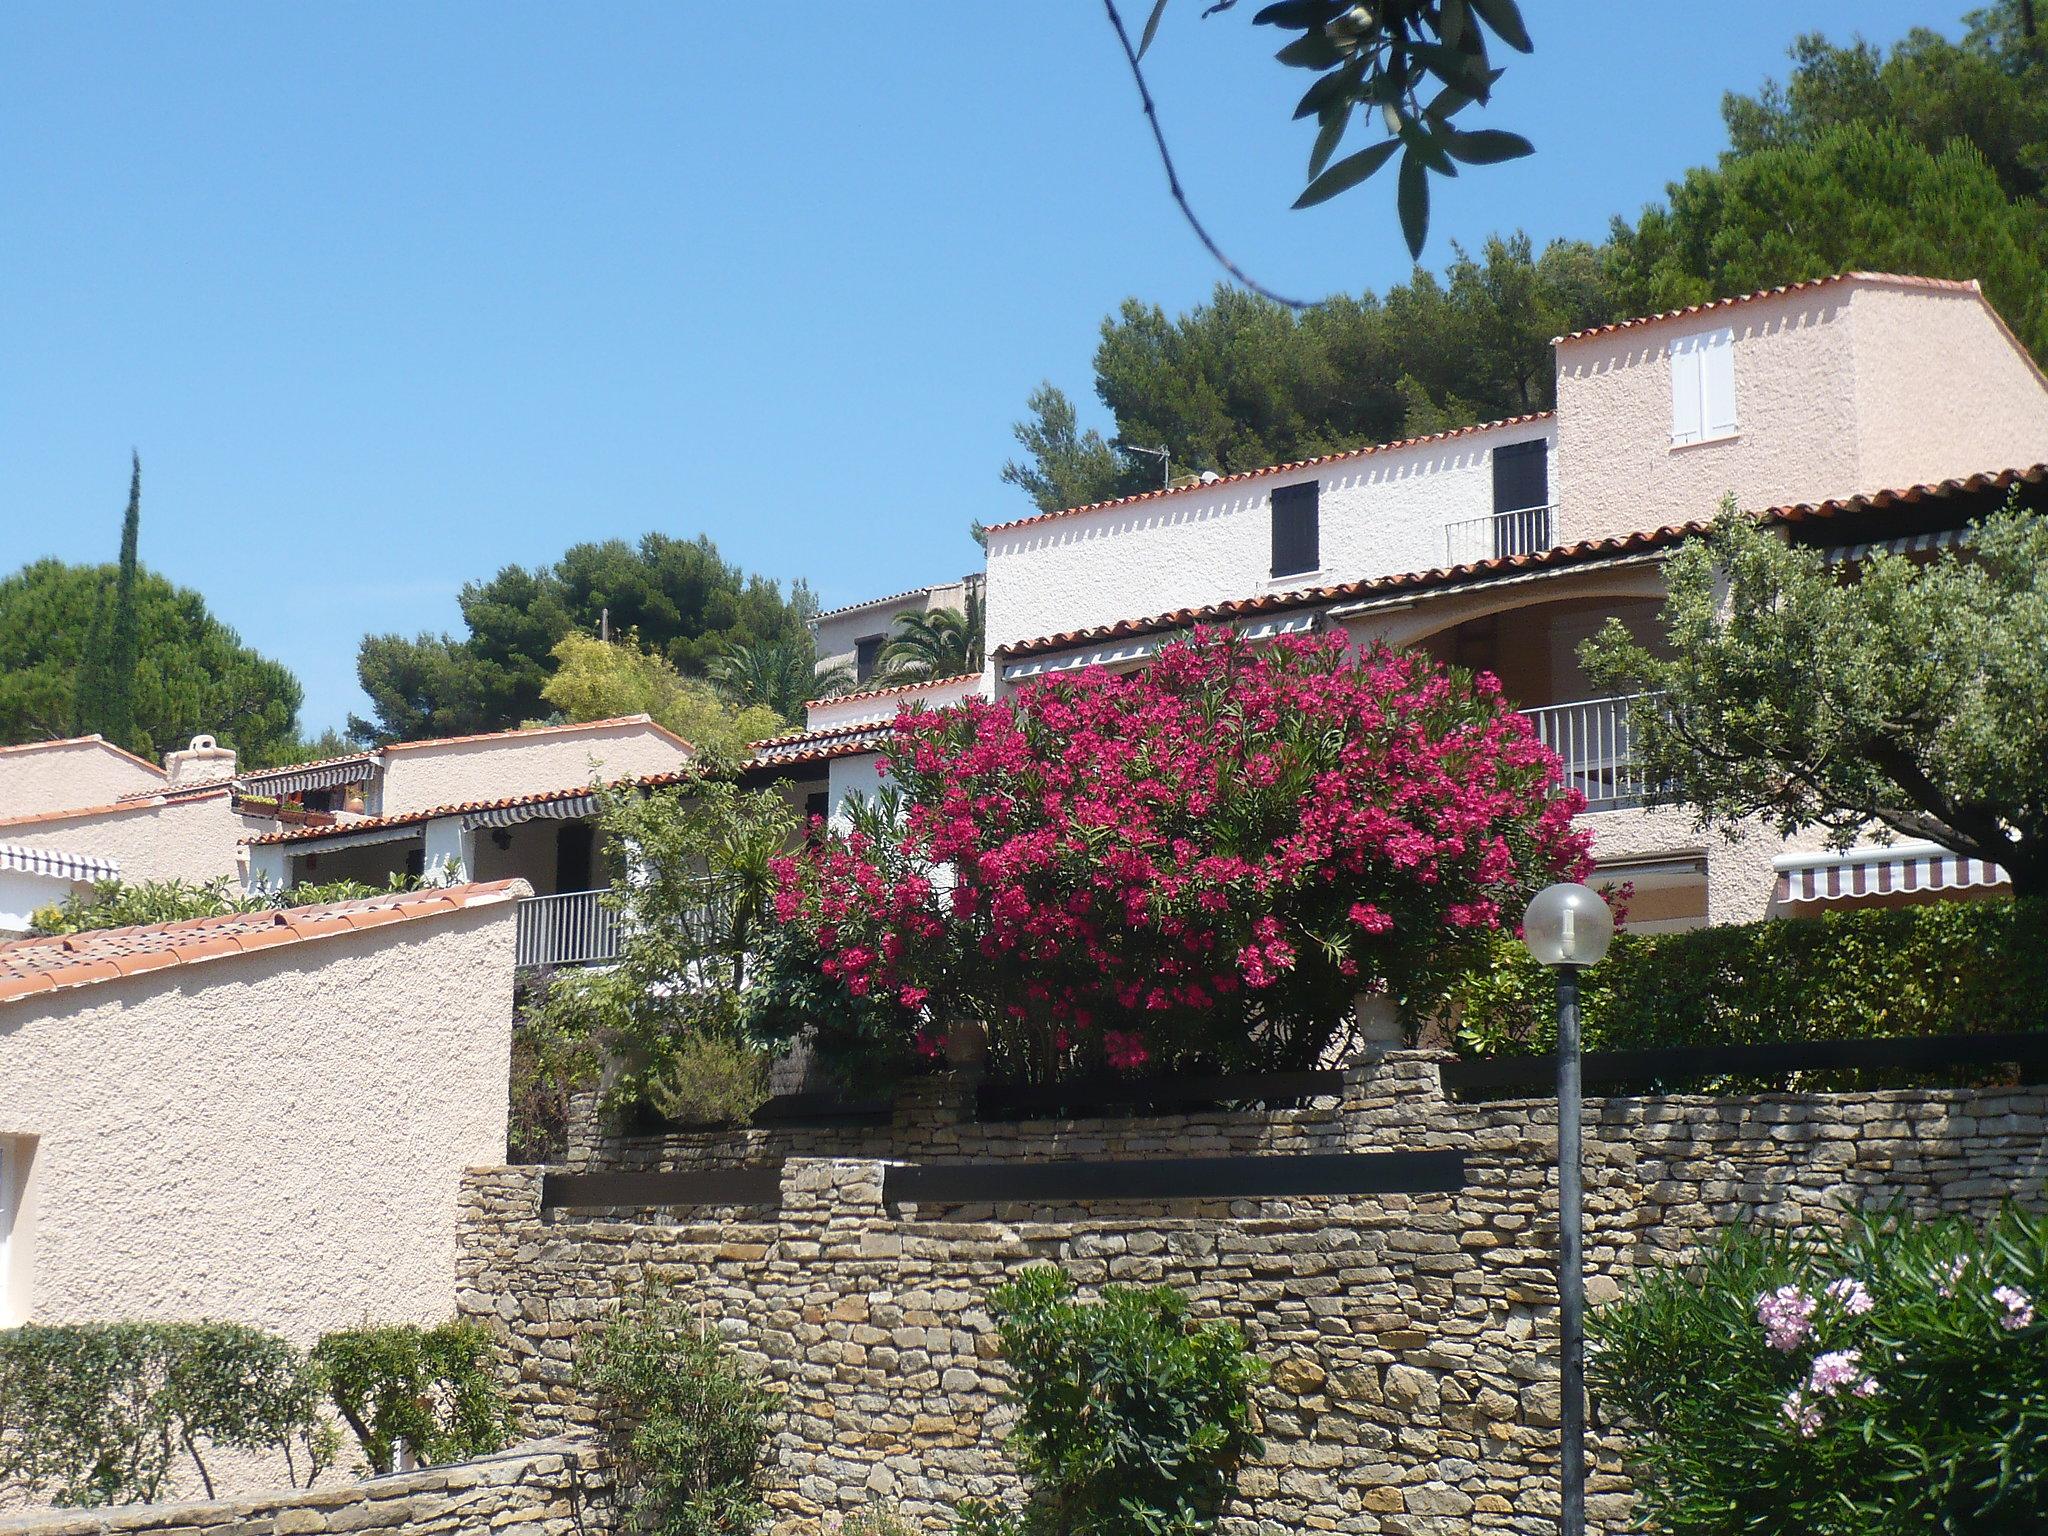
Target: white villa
1850 412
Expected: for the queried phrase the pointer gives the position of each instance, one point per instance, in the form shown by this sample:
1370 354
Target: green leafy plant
99 1413
431 1388
1129 1417
553 1059
686 1425
706 1080
118 904
1890 1378
1952 967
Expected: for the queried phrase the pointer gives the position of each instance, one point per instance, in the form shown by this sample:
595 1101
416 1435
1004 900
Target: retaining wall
1412 1339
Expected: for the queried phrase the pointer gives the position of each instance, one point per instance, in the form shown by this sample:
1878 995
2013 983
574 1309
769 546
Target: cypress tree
105 700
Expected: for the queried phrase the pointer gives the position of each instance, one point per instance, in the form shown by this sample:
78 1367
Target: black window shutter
1296 535
1521 484
865 652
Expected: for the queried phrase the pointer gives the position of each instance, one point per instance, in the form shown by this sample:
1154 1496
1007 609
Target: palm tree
937 643
783 674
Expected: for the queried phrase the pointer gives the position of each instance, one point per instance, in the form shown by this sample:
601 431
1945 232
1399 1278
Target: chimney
204 762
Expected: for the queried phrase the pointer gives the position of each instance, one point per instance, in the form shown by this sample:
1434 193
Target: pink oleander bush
1197 865
1888 1379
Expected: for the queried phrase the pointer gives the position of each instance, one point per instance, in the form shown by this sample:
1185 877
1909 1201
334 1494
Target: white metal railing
1523 531
1596 743
574 928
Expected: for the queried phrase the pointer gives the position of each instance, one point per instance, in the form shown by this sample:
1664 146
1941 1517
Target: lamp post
1568 928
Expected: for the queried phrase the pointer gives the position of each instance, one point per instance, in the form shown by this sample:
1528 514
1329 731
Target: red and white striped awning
63 866
1901 869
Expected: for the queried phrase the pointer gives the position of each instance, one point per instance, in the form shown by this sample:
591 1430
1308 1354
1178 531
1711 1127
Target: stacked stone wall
1411 1338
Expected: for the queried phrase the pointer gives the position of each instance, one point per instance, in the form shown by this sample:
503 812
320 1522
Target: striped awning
1912 544
1139 647
569 808
293 781
1902 869
62 866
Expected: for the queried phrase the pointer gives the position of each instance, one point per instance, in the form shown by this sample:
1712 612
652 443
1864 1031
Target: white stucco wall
846 777
857 709
420 776
1942 389
64 775
22 895
196 839
1380 513
1616 470
272 1138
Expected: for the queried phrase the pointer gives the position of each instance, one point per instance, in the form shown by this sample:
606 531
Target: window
13 1165
1296 536
865 651
1702 387
1521 498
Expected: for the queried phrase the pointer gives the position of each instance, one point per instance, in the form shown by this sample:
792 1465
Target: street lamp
1568 928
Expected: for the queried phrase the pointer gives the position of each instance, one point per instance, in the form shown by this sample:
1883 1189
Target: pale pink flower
2019 1308
1787 1317
1833 1371
1851 1295
1950 1275
1802 1415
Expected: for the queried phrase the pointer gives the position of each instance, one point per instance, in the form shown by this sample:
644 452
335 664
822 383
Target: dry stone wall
1412 1339
549 1488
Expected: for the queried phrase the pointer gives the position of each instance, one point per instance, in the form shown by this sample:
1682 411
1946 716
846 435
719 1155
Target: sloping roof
350 826
94 740
156 800
877 602
530 730
822 746
1890 279
877 693
1273 469
32 967
1586 551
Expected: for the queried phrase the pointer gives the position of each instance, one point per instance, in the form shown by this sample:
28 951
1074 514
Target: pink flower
1949 1276
1787 1317
1124 1049
1851 1295
2019 1308
912 997
1802 1415
1837 1369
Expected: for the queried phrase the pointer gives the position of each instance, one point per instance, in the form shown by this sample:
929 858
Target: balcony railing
574 928
1596 743
1523 531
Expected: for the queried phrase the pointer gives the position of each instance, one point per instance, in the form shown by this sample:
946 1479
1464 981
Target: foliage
1890 1379
193 674
934 644
1377 62
709 1080
106 678
1130 1418
1947 968
98 1413
1241 382
782 675
434 1389
866 1042
117 904
596 680
1199 864
683 601
1903 695
687 1426
554 1057
694 873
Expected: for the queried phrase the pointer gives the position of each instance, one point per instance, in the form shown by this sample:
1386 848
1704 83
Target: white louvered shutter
1717 384
1685 390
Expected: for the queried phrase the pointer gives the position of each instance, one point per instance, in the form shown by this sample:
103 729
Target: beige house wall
834 636
1942 389
418 778
195 840
273 1138
1616 469
65 775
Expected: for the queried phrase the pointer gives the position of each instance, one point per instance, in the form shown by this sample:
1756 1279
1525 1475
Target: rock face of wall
1412 1339
546 1488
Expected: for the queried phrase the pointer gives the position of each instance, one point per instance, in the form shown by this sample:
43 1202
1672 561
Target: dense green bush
118 904
1891 1379
1952 967
1129 1419
686 1425
98 1413
431 1388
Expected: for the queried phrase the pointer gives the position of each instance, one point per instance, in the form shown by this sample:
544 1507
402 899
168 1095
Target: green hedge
1976 967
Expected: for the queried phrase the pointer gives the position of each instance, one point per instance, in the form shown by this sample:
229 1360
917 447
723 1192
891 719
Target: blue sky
392 295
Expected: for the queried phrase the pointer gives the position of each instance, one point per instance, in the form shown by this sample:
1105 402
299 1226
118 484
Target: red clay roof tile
1895 279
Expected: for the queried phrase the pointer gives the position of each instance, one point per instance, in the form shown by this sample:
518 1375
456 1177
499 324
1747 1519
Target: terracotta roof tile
154 801
1894 279
30 967
1273 469
877 602
877 693
823 745
536 730
79 741
355 824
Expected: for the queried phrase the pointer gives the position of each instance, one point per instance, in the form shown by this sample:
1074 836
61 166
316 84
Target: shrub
706 1080
1955 967
1893 1378
97 1413
431 1388
686 1426
1129 1419
1197 865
